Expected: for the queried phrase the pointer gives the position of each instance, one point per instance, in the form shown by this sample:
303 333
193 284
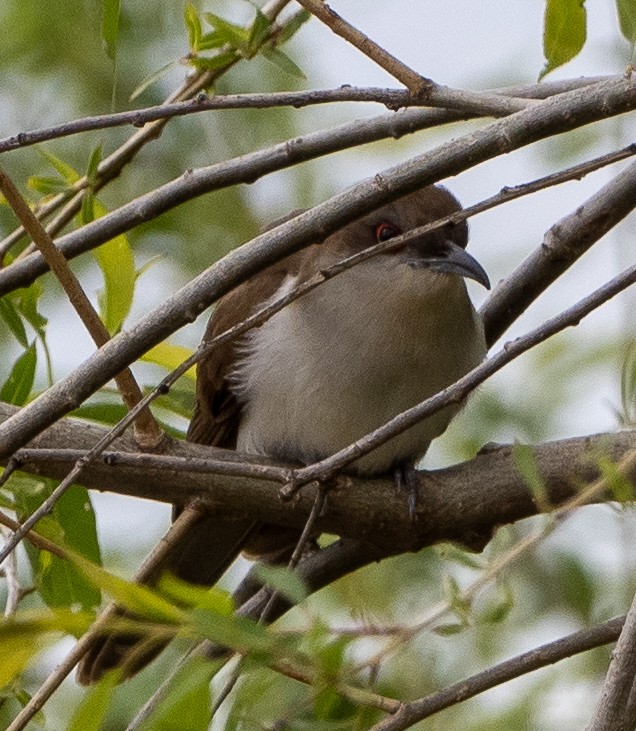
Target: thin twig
171 462
183 524
34 538
393 99
327 468
111 166
9 569
414 711
148 432
417 85
456 393
609 714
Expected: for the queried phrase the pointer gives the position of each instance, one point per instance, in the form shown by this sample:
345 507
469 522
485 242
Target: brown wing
214 542
216 414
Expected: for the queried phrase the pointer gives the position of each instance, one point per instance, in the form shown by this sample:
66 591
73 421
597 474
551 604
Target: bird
327 369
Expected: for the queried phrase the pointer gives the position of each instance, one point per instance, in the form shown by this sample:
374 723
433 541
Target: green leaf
24 634
110 26
278 58
233 35
240 633
452 628
628 387
47 186
154 76
627 18
258 33
88 202
451 552
71 523
213 599
292 26
498 609
219 61
26 300
117 263
92 169
134 597
618 483
564 32
18 385
211 40
9 314
193 24
283 581
92 709
527 467
170 356
63 169
187 703
456 601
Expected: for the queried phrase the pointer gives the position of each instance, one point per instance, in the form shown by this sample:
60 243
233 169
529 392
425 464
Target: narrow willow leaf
627 18
237 632
284 581
233 35
211 40
115 259
527 467
13 321
27 633
26 300
564 32
92 709
71 523
134 597
64 170
258 33
187 702
278 58
17 387
215 62
292 26
154 76
170 356
214 599
110 26
46 185
92 169
193 24
618 483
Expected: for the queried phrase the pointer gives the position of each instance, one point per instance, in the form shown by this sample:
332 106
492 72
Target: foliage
555 587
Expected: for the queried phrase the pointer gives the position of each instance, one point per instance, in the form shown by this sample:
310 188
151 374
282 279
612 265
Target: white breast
349 356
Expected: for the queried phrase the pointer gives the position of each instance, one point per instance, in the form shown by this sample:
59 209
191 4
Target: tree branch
582 641
461 503
562 245
566 112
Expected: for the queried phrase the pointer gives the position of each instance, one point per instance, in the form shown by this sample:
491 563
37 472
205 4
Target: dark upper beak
452 259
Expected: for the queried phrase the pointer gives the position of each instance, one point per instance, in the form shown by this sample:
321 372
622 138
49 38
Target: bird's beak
452 259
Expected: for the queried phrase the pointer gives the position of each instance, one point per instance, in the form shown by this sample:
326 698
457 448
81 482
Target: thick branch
568 111
463 503
562 245
247 169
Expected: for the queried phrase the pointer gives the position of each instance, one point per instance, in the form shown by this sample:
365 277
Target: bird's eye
385 231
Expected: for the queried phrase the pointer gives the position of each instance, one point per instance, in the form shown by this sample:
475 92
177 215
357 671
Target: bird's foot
406 480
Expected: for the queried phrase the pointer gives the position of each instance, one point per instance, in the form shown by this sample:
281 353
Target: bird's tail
199 556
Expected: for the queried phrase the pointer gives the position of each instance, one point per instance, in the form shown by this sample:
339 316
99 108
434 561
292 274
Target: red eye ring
385 231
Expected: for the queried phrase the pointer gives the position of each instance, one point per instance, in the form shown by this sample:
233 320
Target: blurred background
54 69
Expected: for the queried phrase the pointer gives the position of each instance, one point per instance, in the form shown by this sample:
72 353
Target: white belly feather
349 356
